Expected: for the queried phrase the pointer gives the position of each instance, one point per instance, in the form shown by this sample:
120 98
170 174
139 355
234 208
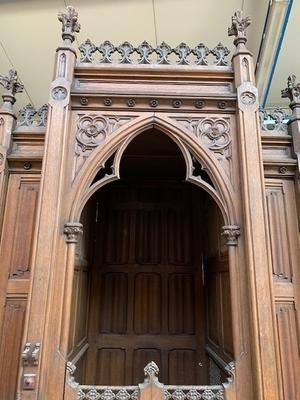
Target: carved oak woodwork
97 108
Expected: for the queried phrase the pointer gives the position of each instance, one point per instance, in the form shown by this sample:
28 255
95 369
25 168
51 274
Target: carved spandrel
214 134
92 131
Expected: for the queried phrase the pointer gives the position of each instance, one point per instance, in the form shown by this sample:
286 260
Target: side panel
15 253
283 241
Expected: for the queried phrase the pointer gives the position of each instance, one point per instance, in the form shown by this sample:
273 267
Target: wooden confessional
149 241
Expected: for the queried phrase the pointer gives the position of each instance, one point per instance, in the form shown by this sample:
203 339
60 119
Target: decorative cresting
70 25
12 86
273 121
231 234
88 392
72 230
144 53
213 133
92 131
31 117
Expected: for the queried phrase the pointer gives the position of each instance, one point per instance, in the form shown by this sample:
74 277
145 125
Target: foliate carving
125 49
183 51
70 25
72 230
214 133
29 116
239 25
274 120
144 50
106 49
163 51
220 52
86 392
201 52
11 83
292 91
151 371
231 234
215 392
87 49
248 98
59 93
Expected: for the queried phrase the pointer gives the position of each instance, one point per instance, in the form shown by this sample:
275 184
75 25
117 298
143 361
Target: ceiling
30 33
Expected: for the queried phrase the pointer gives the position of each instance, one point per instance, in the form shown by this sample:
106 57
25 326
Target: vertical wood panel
288 345
113 303
182 367
147 303
110 368
116 247
181 304
148 237
10 347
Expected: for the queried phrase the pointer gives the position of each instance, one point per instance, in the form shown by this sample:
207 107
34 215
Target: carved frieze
29 116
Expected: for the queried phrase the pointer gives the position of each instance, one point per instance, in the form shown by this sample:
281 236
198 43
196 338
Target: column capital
72 230
231 234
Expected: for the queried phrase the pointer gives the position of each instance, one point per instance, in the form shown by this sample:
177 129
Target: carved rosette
72 230
231 234
214 133
92 131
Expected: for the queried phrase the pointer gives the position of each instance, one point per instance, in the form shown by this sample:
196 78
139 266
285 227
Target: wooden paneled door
147 290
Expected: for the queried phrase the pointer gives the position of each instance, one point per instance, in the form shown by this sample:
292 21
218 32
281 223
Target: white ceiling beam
275 26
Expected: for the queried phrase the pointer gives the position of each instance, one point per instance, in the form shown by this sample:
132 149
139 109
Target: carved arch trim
222 193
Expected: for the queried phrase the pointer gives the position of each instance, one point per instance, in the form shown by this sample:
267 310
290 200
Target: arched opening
151 276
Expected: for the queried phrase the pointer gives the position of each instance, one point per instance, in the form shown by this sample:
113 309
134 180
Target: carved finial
12 86
231 234
70 25
238 28
238 24
72 230
292 91
151 371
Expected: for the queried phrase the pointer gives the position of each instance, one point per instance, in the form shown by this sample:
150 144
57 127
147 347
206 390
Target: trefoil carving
274 120
231 234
